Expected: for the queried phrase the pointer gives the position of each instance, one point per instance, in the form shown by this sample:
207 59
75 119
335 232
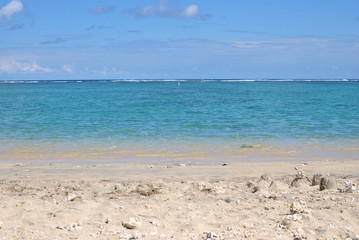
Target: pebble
300 174
70 197
71 227
211 235
299 207
133 223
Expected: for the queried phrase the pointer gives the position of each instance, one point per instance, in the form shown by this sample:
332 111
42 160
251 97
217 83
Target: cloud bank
166 9
14 66
13 7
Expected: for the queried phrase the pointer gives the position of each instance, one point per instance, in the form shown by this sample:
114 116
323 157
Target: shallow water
194 120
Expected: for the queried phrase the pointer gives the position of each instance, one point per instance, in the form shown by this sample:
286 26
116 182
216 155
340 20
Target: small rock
71 197
252 187
72 227
300 174
147 189
216 190
348 187
133 223
300 180
328 182
155 223
316 179
211 236
246 146
255 189
299 207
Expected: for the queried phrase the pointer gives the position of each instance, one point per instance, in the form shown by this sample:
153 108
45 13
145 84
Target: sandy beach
261 200
179 120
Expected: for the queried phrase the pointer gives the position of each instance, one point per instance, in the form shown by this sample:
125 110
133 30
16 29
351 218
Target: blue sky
92 39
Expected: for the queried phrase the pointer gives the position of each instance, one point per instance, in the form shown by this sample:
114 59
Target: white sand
177 202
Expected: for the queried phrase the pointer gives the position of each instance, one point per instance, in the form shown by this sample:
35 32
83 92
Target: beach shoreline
162 152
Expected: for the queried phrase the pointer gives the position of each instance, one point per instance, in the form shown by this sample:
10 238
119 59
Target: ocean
178 120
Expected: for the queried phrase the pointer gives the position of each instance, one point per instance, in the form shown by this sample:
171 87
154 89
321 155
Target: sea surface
179 120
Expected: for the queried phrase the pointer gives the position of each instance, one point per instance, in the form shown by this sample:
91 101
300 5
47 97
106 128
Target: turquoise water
110 113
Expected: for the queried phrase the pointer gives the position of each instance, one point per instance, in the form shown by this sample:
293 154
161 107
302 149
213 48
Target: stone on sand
316 179
328 182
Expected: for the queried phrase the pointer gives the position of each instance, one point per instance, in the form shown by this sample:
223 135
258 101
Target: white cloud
191 11
13 7
167 9
67 68
14 66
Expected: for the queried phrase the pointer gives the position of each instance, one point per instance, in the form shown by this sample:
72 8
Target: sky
173 39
